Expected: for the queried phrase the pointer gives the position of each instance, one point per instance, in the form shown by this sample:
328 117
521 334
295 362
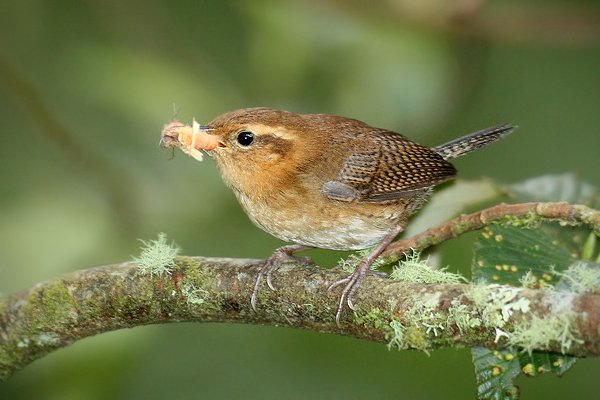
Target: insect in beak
189 139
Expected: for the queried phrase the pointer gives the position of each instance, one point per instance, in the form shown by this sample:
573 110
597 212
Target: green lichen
580 277
528 280
397 335
407 337
462 316
53 306
538 333
415 338
193 295
421 320
375 318
199 286
49 307
528 221
157 257
413 269
497 303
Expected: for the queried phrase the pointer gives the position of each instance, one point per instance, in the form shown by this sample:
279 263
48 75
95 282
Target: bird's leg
279 256
353 281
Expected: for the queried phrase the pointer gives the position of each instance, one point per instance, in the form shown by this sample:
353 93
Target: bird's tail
473 141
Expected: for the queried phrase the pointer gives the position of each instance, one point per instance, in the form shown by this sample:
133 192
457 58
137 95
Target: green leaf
505 254
496 370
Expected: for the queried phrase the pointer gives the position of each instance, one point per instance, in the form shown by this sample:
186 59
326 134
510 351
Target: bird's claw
279 257
347 296
267 270
269 283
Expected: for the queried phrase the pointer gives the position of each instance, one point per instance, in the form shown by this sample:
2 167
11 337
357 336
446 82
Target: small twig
523 214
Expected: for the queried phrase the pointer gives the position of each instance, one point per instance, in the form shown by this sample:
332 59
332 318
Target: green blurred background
86 86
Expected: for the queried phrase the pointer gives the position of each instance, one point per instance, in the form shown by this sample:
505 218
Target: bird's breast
316 221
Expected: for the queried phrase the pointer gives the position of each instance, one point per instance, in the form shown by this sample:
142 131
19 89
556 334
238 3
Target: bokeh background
86 86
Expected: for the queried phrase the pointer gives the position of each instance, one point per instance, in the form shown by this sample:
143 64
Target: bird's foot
352 283
279 257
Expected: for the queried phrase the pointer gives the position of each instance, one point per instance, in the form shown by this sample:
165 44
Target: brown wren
323 181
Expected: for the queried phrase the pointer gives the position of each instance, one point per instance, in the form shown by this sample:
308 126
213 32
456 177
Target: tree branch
406 315
519 215
54 314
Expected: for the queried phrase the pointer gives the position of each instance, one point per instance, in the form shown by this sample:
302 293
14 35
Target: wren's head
259 146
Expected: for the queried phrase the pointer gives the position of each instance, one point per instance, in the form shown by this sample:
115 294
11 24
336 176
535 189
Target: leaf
496 370
505 254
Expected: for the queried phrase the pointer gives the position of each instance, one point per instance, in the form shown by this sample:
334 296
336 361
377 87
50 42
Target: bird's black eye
245 138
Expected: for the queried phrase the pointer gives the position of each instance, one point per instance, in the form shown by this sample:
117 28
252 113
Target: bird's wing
393 168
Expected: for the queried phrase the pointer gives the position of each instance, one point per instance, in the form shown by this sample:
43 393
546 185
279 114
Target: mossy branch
406 315
518 215
54 314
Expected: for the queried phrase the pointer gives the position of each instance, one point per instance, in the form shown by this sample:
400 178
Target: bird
323 181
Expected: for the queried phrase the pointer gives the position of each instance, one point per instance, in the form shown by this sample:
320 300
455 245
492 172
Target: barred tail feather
473 141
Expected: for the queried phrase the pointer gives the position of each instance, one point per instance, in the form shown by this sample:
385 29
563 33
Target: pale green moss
410 337
194 295
580 277
528 221
528 280
157 256
423 321
420 321
52 306
47 339
462 316
538 333
413 269
479 294
397 335
422 313
415 338
375 318
497 303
